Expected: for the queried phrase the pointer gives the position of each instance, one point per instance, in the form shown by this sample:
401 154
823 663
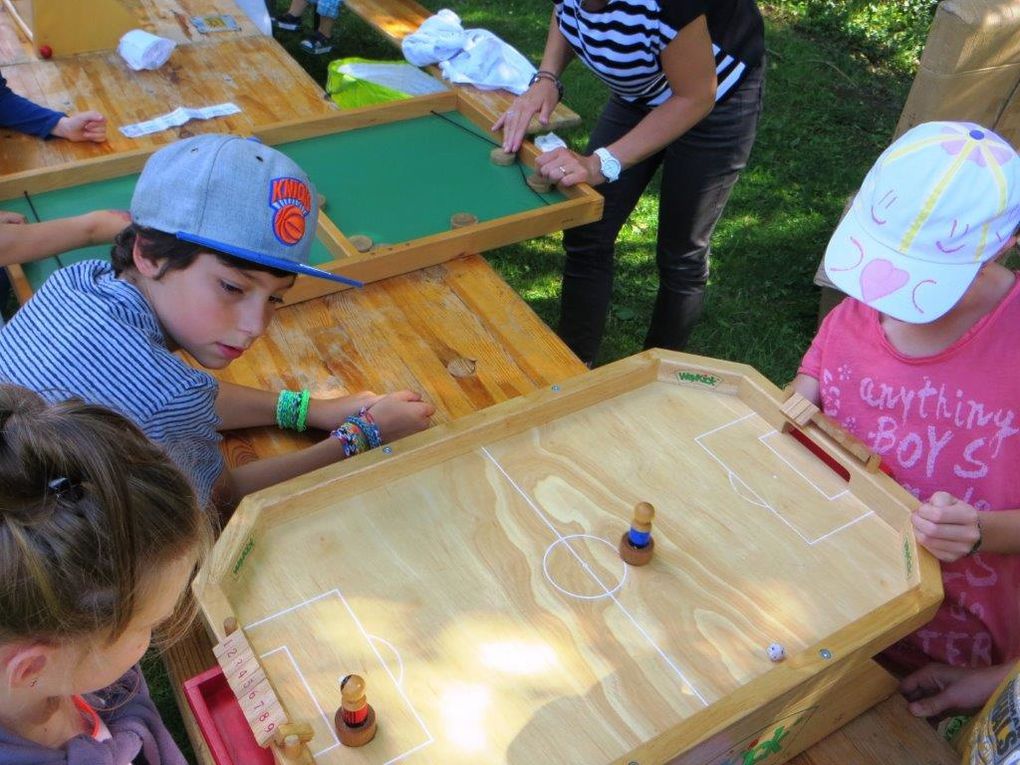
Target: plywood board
472 575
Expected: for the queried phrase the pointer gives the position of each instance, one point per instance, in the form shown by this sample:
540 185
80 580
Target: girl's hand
567 168
400 414
12 217
946 526
541 98
938 688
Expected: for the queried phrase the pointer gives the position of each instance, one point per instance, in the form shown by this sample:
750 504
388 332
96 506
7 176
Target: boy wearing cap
920 362
220 227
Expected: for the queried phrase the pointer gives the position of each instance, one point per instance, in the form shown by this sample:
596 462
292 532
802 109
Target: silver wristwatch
610 164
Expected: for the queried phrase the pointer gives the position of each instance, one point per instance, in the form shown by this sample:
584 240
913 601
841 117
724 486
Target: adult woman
686 80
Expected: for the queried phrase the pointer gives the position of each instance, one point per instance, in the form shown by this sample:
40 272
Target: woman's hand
946 526
12 217
541 98
568 168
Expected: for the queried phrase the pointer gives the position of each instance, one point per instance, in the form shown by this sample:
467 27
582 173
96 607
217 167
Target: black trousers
698 172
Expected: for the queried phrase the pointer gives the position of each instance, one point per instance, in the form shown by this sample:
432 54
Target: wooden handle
800 412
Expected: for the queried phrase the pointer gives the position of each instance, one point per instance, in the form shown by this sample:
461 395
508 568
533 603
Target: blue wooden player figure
637 545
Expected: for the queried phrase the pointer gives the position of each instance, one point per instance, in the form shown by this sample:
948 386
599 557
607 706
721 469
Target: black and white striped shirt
623 42
86 334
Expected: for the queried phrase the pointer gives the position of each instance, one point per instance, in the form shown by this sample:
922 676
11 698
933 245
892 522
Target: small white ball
776 652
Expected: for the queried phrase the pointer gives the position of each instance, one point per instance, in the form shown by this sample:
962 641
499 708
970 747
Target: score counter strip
258 700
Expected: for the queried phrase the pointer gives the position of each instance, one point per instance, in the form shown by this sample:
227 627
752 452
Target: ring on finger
562 169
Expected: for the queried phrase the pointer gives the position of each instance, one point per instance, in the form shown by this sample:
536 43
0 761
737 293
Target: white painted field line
371 640
308 690
812 484
584 566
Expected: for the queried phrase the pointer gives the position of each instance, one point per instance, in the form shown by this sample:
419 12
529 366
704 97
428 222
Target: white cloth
473 56
438 38
142 50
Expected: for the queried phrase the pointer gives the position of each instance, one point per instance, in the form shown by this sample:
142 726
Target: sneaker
287 22
317 43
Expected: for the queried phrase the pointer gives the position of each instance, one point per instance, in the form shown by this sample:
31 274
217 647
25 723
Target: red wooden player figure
355 719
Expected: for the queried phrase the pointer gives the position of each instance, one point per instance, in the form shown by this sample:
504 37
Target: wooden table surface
456 332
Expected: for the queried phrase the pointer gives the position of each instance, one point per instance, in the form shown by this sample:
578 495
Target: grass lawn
834 91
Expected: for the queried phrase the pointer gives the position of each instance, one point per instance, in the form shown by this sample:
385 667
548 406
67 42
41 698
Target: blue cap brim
267 260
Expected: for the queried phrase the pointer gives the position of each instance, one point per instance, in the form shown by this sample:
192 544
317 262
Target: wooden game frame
69 27
822 686
582 205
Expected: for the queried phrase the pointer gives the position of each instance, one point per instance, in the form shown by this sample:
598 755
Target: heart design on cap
880 278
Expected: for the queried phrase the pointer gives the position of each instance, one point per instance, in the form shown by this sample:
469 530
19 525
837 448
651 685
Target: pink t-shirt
946 422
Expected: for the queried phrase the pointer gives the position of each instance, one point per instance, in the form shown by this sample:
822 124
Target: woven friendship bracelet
366 423
287 405
301 421
350 435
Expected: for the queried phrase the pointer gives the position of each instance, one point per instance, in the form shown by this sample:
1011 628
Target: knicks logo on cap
291 201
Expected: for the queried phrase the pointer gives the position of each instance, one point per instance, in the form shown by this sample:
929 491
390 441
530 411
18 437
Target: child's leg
326 12
291 20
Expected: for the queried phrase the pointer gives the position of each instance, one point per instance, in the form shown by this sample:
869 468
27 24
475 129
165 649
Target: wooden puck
539 183
462 219
322 201
361 243
635 556
355 736
502 158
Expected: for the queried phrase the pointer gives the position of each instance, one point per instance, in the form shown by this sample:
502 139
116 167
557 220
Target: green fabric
350 92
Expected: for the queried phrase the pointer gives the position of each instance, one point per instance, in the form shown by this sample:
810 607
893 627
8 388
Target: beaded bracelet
544 74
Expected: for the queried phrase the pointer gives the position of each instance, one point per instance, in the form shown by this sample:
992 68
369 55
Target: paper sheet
178 117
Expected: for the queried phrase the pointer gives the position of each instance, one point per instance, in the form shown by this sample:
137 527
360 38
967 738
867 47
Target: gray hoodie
138 734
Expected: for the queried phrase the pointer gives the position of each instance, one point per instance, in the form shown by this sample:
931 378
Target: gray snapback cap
234 195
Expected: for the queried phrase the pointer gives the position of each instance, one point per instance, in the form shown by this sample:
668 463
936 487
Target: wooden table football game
471 574
396 173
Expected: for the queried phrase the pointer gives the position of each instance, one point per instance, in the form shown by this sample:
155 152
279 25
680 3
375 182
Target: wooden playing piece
355 719
292 738
539 183
462 219
361 243
644 512
798 410
502 158
230 625
322 201
292 747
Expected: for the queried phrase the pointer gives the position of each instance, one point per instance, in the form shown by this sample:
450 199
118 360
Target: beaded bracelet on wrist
301 421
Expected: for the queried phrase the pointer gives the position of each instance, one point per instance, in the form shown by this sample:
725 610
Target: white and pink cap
941 201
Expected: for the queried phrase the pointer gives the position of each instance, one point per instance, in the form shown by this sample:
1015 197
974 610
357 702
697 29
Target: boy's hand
946 526
83 126
401 414
938 688
12 217
328 413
